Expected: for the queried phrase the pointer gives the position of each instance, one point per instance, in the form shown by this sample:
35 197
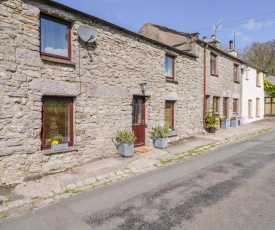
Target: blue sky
251 20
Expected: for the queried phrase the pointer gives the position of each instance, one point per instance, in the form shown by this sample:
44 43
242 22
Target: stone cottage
53 82
223 72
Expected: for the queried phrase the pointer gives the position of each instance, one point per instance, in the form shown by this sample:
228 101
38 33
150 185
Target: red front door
138 120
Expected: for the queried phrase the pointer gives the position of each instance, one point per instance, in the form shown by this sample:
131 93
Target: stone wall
223 84
102 89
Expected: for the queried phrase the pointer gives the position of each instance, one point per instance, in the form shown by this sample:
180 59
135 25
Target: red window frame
173 67
236 73
68 24
44 143
235 105
173 112
216 104
213 64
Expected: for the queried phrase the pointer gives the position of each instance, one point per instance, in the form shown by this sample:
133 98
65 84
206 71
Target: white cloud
254 25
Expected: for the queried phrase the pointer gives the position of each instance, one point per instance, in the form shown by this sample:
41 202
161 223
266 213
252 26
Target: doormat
143 149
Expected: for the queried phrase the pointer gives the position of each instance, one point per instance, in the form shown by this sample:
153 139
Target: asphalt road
231 188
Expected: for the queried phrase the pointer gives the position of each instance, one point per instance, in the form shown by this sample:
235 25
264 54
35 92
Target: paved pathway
47 190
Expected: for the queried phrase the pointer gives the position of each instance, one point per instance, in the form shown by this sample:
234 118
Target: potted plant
171 131
125 143
160 136
211 122
224 122
234 121
58 143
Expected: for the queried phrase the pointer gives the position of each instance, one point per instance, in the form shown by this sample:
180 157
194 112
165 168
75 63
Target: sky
250 20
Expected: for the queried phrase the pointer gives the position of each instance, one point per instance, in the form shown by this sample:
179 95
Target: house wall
102 90
251 92
222 85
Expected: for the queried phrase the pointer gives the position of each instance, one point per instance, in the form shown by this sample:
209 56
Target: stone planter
234 122
224 124
126 150
172 133
161 143
61 146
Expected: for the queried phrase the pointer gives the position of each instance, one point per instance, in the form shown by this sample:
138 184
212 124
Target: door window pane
139 111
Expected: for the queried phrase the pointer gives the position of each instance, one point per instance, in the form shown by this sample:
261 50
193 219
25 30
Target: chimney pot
213 37
204 38
231 44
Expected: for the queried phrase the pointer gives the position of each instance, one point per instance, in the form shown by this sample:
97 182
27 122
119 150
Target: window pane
54 38
212 64
57 119
139 121
169 114
169 66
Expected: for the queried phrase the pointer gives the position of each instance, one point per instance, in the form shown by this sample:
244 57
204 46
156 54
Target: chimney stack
230 44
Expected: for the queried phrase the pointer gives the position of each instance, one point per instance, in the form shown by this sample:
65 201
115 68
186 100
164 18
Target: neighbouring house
54 83
269 100
224 87
252 94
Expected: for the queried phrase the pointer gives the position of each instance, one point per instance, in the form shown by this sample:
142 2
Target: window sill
172 80
52 152
236 81
259 86
172 133
215 75
57 60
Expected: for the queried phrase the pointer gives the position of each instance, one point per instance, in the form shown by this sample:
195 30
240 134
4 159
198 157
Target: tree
261 55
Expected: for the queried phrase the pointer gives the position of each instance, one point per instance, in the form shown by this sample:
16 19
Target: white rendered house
252 95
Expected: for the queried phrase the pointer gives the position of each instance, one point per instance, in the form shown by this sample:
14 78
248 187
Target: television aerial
217 26
87 34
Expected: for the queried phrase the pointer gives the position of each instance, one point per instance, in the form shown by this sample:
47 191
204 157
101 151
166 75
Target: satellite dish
87 34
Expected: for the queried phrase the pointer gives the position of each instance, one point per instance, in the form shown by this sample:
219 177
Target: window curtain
54 38
169 66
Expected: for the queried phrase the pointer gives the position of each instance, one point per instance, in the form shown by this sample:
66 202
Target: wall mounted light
143 87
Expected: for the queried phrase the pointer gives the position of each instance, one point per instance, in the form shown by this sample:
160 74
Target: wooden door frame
143 115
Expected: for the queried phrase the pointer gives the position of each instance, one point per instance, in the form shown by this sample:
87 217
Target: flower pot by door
126 150
161 143
234 122
211 130
224 124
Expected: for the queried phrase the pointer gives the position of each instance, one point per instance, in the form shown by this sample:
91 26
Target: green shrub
159 132
211 119
125 137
